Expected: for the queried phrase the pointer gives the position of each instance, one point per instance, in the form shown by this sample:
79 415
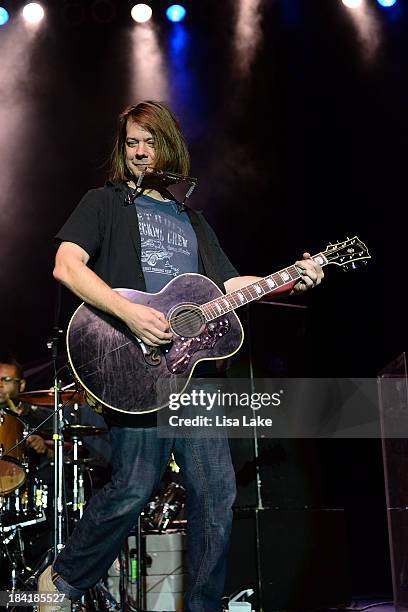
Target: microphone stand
58 424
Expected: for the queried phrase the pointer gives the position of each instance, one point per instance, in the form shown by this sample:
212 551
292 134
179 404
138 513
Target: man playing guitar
107 244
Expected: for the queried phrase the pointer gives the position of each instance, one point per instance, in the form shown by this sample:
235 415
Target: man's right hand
37 443
71 269
148 324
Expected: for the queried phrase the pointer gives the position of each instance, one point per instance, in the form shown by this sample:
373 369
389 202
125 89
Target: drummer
11 384
96 448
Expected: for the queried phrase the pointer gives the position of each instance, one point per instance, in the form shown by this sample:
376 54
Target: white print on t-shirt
163 240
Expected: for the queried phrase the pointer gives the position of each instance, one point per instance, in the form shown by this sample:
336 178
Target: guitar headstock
346 253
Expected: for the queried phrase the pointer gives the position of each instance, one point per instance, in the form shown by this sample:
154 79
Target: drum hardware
23 497
12 472
165 507
107 602
57 398
23 523
85 461
45 397
78 497
24 506
10 452
77 431
12 531
74 432
14 556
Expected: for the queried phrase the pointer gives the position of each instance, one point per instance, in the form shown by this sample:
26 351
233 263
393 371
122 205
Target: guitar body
121 374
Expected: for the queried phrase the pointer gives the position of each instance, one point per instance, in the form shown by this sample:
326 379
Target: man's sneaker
46 585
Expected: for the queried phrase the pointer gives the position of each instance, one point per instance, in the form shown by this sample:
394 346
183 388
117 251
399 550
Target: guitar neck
255 291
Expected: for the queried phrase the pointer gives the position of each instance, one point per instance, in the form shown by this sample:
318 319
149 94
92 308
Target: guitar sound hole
187 320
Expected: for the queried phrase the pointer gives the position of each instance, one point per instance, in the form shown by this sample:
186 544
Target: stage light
141 13
176 13
352 4
4 16
33 12
387 3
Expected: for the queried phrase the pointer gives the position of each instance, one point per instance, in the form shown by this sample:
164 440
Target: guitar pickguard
182 351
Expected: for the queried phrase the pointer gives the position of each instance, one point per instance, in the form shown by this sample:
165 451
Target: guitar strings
189 317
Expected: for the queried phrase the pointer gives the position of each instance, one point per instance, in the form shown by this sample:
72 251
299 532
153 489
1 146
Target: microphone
161 181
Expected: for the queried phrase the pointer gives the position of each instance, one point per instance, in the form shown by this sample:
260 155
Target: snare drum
12 472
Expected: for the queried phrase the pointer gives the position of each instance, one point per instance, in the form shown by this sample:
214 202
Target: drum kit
26 496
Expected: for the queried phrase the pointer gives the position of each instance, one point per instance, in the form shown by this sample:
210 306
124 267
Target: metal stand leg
140 589
259 505
131 586
58 472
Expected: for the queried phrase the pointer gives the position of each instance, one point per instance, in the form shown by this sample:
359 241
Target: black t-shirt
108 230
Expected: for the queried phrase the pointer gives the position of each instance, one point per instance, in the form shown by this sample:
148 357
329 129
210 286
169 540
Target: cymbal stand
14 556
78 488
78 493
58 424
78 497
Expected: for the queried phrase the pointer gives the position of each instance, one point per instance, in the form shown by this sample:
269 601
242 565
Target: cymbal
69 431
46 397
84 430
81 461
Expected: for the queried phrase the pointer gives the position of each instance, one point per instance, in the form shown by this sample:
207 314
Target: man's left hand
312 274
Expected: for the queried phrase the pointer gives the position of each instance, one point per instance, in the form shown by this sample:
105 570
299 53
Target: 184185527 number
28 598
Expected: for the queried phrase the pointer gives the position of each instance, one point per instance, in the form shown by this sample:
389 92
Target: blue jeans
139 459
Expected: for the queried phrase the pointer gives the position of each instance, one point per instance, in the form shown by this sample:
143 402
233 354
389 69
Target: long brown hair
171 153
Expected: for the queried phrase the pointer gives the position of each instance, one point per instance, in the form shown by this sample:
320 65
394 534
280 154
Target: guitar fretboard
254 291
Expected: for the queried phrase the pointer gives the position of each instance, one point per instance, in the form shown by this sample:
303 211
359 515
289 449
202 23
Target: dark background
305 147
